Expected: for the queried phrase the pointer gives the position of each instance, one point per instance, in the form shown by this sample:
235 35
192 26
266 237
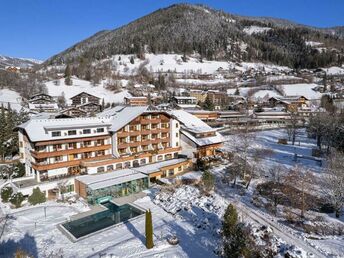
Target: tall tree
149 230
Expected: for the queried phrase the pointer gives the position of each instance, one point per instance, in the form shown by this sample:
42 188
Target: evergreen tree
208 104
17 199
6 193
37 196
149 230
68 74
208 180
230 220
2 132
132 61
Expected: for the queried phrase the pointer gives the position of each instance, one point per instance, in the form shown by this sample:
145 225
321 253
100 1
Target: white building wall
175 135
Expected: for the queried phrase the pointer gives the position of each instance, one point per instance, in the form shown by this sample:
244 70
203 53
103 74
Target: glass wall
119 190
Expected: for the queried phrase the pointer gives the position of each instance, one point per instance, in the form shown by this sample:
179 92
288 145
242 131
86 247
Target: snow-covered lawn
86 86
12 97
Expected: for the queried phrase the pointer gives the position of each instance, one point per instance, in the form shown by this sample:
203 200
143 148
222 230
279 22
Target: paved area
128 199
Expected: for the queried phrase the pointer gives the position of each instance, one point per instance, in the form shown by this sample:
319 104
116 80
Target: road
277 230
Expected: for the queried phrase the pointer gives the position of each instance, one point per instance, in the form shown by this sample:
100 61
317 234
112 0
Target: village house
136 101
200 95
185 102
42 103
84 98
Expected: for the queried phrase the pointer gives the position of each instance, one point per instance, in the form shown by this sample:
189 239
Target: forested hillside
214 35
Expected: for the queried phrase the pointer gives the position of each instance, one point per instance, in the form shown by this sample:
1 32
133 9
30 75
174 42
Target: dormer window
56 134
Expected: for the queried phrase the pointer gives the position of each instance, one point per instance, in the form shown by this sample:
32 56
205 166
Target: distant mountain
17 62
214 35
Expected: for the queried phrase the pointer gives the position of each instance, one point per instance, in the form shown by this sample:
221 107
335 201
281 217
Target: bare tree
302 180
333 183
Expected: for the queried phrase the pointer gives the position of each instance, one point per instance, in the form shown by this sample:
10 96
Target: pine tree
68 74
230 220
17 199
208 104
208 180
149 230
37 196
6 193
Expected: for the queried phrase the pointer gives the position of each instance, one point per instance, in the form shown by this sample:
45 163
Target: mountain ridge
214 34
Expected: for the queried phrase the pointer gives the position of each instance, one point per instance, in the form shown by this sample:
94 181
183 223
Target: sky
41 28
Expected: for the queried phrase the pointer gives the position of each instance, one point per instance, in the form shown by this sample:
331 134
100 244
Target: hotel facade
123 138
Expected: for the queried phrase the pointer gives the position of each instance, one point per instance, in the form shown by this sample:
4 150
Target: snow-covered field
86 86
12 97
174 63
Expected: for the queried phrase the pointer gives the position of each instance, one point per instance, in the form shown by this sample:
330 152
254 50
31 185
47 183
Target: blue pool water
103 219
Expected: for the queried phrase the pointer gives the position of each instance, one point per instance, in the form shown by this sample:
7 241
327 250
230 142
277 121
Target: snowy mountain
214 35
17 62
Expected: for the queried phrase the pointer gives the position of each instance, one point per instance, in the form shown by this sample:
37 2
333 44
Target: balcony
42 155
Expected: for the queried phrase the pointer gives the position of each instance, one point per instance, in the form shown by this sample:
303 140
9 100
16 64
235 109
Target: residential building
84 98
42 103
185 102
136 101
200 95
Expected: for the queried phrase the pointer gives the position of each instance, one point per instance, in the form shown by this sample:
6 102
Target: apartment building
136 101
119 138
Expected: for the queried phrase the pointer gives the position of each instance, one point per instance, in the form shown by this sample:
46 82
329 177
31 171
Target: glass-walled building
104 187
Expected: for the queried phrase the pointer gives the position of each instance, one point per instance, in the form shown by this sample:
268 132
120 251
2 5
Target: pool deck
128 199
94 209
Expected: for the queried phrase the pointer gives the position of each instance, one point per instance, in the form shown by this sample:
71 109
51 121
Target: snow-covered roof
217 138
99 181
184 98
155 167
191 122
39 129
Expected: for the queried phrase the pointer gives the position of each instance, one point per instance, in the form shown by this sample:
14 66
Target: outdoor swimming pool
111 216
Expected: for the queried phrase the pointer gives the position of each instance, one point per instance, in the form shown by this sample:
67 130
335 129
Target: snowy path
281 233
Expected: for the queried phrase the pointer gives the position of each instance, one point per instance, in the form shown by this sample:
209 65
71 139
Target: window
100 130
100 170
177 125
119 166
56 134
180 169
127 164
109 168
86 131
75 156
177 134
87 143
72 132
20 144
177 144
58 158
160 157
143 161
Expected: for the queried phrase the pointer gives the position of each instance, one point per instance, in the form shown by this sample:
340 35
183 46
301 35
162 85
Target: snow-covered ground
86 86
12 97
265 93
174 63
255 29
334 70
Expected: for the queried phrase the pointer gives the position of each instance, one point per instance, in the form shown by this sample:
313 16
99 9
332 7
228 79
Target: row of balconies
68 146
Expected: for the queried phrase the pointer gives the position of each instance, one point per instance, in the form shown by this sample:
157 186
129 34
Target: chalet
42 103
219 99
84 98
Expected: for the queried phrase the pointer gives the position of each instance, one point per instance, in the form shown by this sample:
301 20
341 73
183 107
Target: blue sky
42 28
